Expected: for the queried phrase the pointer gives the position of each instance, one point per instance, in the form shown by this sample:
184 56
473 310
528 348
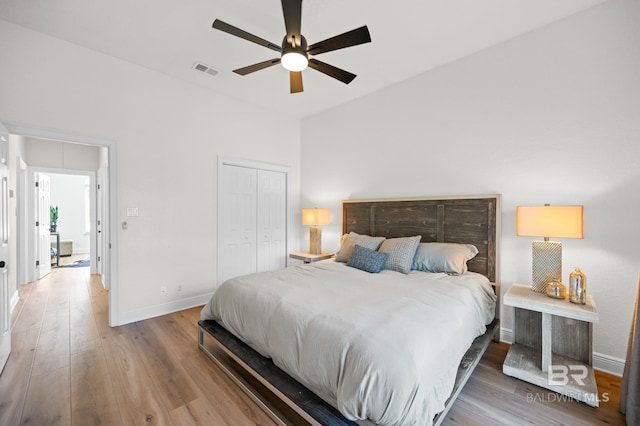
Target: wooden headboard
464 220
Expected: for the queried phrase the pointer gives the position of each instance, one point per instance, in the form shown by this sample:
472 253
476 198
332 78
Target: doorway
106 191
69 221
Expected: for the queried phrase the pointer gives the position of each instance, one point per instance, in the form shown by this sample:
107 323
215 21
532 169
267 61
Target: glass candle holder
577 287
556 289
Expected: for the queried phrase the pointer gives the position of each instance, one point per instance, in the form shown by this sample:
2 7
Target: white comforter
379 347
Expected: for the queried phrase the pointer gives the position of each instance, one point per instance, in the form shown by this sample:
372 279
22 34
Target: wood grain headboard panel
472 220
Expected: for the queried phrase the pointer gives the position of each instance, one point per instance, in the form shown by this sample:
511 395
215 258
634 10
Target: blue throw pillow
367 259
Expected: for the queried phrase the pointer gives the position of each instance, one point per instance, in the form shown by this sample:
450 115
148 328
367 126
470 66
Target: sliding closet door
252 226
272 190
238 225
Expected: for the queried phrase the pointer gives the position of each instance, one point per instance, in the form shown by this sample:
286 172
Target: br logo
560 374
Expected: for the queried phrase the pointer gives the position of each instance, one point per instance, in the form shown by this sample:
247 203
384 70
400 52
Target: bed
327 343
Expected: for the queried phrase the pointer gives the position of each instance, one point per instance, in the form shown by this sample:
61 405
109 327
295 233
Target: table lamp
548 221
315 218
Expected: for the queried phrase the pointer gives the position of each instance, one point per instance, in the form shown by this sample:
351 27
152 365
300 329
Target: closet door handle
2 264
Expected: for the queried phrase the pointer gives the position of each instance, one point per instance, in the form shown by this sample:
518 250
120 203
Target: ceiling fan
295 52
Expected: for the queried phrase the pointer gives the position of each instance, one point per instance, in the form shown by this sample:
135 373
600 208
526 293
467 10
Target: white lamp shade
550 221
316 217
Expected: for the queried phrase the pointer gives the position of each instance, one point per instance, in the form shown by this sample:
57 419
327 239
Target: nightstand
307 257
552 343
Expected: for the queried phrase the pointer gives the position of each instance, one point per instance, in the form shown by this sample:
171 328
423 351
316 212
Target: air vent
205 68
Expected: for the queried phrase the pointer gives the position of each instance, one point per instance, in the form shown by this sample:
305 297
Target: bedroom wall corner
546 117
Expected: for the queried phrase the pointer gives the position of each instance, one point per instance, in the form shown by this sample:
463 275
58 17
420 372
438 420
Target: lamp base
546 264
315 240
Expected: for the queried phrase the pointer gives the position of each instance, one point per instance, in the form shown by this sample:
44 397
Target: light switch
132 211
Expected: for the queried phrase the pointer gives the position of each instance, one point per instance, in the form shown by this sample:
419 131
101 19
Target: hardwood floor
68 367
491 398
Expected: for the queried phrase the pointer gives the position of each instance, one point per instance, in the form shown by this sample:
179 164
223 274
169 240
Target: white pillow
449 258
349 245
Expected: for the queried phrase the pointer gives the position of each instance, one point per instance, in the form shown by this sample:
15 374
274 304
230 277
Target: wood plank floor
68 367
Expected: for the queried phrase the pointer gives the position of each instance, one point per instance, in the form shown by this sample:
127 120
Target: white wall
550 117
68 193
168 135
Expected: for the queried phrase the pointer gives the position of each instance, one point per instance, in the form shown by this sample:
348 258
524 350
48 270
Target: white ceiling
409 37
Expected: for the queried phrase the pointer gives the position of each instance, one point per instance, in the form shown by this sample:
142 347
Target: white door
272 224
43 225
5 291
252 223
238 222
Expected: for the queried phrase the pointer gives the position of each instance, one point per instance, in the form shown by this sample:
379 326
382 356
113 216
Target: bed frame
470 220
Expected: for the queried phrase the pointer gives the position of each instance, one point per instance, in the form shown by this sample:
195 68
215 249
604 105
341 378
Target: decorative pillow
401 252
367 259
343 244
443 257
350 243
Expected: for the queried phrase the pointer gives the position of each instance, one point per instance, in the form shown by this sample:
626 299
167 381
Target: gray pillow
401 252
367 259
449 258
349 244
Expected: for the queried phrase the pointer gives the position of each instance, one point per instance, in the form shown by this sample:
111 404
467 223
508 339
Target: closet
252 218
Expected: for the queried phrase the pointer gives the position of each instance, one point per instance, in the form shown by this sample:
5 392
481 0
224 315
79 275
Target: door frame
111 199
22 234
251 164
7 288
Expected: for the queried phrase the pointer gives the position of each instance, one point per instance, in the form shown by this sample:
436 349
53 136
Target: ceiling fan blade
230 29
344 76
348 39
295 81
292 10
257 67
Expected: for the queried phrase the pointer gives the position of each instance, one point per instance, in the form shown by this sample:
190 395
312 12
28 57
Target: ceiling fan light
294 61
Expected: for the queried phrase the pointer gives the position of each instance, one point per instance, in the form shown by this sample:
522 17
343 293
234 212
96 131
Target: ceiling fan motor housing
293 45
294 53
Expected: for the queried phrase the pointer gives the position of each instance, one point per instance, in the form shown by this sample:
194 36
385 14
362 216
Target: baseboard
601 362
608 364
15 298
506 335
164 309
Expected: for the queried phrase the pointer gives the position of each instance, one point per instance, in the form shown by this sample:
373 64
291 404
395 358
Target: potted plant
53 219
